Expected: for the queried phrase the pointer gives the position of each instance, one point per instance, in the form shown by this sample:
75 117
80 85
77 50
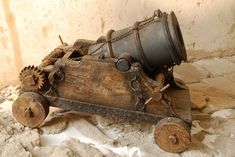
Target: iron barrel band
139 47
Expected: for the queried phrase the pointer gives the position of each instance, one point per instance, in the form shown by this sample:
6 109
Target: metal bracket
136 87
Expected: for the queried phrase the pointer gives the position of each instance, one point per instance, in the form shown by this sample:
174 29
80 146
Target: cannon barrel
154 42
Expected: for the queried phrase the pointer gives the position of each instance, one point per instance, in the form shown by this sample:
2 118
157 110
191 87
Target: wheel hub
30 109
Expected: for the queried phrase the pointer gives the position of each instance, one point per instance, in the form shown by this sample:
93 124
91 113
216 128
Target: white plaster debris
209 140
7 96
9 93
196 128
73 133
6 105
224 113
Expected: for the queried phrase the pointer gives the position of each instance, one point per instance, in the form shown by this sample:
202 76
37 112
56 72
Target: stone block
209 99
223 84
217 66
190 73
91 131
232 58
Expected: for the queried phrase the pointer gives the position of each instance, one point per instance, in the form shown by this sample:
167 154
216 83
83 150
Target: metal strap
139 47
108 38
156 17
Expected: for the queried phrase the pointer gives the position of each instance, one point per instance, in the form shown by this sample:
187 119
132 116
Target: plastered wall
29 29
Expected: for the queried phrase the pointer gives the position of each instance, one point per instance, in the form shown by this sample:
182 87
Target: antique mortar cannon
127 74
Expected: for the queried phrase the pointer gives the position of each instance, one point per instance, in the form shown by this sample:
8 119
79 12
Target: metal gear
32 78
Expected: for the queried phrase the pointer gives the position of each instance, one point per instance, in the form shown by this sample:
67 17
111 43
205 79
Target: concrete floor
68 134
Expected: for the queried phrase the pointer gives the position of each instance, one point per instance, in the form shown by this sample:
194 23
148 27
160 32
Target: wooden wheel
172 135
30 109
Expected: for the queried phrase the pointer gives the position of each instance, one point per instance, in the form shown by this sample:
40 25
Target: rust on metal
172 135
32 78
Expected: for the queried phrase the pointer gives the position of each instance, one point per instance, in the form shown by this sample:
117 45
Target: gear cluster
32 78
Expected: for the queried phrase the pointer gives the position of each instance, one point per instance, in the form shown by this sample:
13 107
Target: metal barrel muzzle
154 42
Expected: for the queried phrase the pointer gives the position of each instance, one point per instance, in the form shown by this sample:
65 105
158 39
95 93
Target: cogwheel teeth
32 78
